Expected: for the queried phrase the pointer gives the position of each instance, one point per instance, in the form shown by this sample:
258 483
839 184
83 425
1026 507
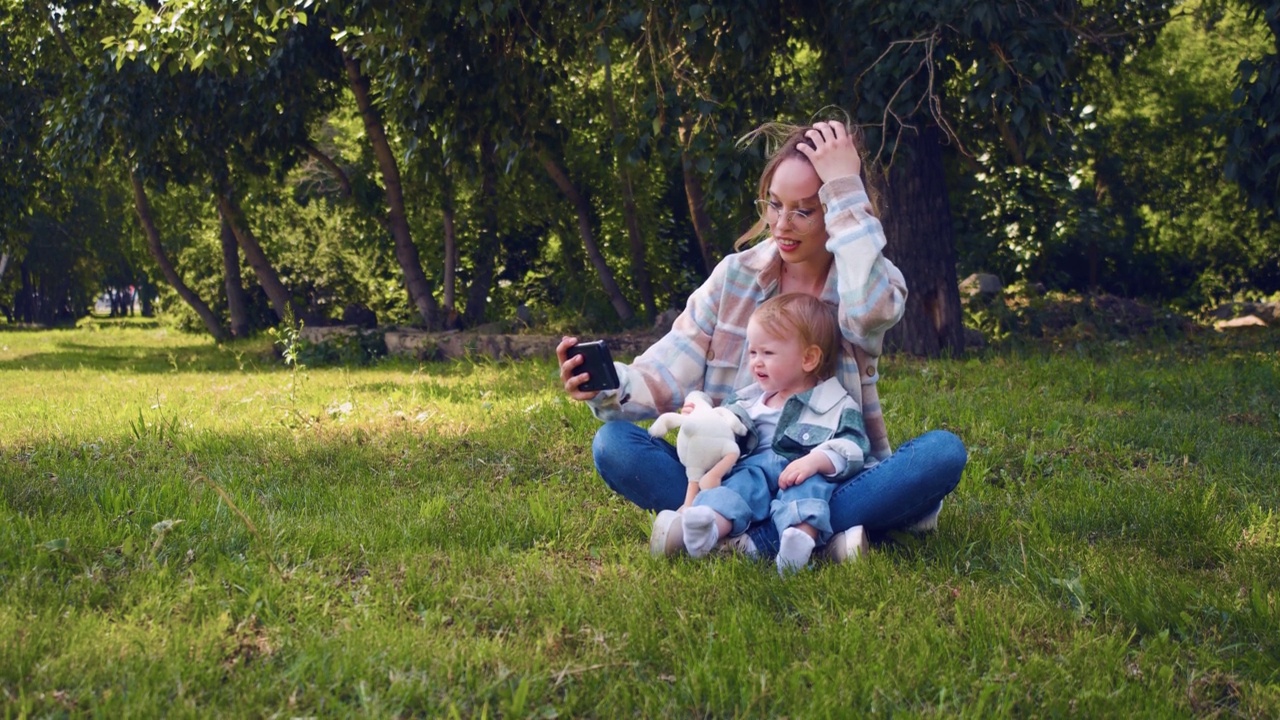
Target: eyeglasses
801 218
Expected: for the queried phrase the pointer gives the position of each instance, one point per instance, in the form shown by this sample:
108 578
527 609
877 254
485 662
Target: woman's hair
781 141
807 318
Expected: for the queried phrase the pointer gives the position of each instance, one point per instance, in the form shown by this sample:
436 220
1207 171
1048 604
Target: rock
1240 322
423 345
974 338
1268 311
453 345
1225 311
981 284
497 327
359 315
665 320
319 334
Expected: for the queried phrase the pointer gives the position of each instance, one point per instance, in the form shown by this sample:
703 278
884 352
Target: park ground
190 530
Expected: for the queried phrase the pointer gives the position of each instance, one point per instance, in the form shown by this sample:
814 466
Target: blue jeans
896 492
749 494
743 496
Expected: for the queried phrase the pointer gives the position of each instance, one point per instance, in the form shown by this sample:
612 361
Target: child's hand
797 471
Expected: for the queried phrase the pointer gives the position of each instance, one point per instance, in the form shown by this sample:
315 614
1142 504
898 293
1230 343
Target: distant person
820 237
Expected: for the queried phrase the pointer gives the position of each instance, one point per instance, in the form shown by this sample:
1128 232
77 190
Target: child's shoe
667 536
927 523
738 545
849 545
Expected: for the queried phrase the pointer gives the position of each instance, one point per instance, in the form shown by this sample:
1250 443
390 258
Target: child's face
780 364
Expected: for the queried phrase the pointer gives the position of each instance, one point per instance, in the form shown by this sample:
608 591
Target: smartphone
597 363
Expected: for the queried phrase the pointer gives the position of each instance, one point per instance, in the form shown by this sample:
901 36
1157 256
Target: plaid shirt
707 346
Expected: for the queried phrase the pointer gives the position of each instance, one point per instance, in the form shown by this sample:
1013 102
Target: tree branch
336 170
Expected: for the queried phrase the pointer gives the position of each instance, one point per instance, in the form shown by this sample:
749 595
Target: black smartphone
597 363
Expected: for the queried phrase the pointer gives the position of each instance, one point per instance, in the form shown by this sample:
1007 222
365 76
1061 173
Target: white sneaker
927 523
667 536
738 545
849 545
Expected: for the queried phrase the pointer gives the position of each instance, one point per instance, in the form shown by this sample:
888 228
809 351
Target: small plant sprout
161 530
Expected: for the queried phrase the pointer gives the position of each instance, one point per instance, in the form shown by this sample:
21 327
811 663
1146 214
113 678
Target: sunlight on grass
187 528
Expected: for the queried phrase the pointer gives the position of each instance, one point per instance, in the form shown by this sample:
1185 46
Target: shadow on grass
179 358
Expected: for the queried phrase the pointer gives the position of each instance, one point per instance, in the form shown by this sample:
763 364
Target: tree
1253 150
949 77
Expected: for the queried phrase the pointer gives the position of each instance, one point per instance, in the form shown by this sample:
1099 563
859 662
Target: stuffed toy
706 444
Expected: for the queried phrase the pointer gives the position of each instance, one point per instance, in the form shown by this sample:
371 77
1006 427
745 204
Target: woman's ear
811 359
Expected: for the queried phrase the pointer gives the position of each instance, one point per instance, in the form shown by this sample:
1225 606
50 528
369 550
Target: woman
820 238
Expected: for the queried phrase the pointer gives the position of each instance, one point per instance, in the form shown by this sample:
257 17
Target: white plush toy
706 443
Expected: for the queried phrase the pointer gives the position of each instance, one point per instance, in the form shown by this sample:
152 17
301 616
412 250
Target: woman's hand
567 366
797 471
833 154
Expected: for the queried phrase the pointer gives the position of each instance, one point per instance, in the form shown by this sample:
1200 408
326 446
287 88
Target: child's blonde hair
809 319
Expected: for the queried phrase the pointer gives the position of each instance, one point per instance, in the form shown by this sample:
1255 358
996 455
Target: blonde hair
807 318
781 141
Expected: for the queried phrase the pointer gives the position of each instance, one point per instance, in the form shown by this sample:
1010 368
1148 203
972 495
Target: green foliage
1086 141
1253 147
1022 314
1139 206
435 541
353 349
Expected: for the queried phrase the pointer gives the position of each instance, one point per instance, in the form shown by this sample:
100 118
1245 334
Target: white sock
700 531
793 551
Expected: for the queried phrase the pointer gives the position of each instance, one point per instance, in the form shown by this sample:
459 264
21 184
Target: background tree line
445 162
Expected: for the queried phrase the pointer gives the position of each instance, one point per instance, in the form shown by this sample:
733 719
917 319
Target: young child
805 435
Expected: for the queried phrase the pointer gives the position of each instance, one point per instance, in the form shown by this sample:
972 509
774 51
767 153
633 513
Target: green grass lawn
188 530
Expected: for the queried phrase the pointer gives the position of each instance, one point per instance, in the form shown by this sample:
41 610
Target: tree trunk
697 199
26 297
237 302
639 265
416 283
143 208
583 210
917 223
450 304
280 297
487 248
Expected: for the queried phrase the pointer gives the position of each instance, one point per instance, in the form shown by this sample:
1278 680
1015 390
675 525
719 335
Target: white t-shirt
766 420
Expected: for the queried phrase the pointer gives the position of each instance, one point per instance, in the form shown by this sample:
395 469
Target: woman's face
793 195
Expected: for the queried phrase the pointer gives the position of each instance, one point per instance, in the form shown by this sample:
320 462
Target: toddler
805 434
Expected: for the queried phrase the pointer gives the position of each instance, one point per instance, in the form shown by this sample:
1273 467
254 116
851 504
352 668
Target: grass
189 530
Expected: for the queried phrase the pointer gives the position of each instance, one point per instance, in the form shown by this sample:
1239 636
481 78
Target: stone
974 339
319 334
665 320
423 345
1240 322
1268 311
981 284
1225 311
